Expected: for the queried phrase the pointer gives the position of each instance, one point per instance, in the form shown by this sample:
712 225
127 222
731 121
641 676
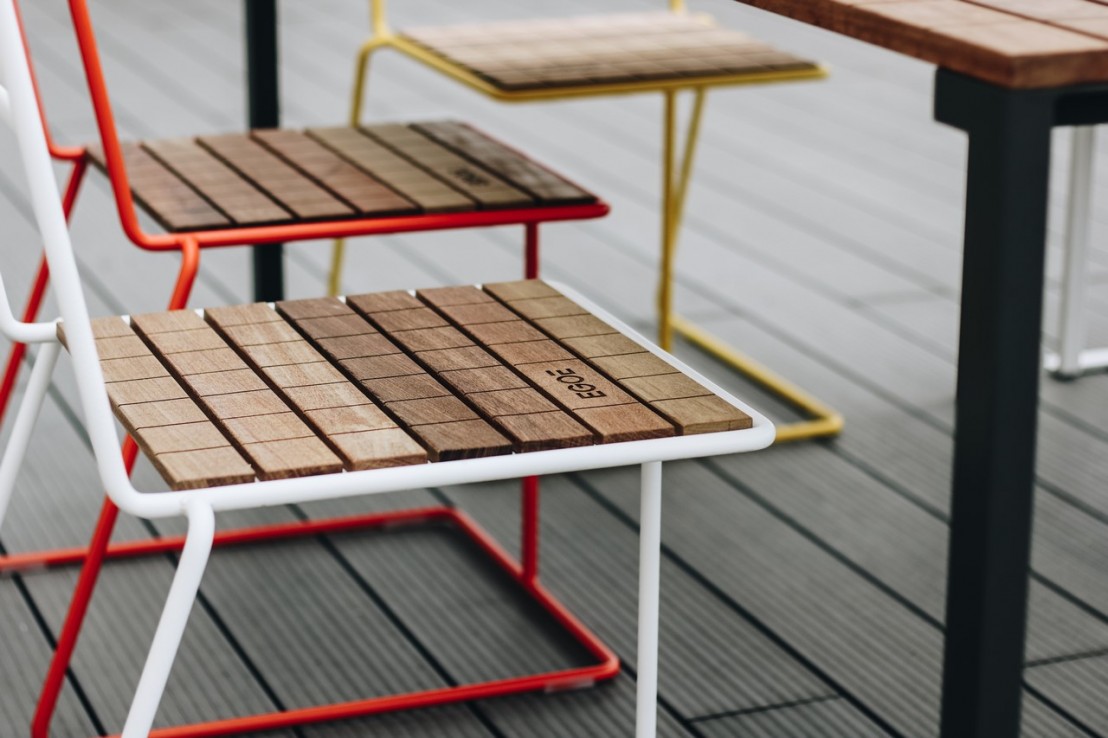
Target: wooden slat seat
307 387
602 51
284 177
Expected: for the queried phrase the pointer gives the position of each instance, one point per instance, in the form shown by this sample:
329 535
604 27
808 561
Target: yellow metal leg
824 420
361 71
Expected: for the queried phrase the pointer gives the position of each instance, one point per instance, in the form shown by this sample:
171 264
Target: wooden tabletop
317 386
1011 43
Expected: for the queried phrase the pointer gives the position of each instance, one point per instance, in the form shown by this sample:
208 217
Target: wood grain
478 182
314 389
482 385
1010 44
315 386
403 388
170 428
641 49
609 370
543 377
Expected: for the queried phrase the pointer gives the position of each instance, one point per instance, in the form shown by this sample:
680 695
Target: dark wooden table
264 111
1009 71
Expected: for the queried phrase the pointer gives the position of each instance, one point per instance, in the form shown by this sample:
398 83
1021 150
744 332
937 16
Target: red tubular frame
92 558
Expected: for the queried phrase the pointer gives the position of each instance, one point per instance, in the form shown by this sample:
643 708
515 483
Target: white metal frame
18 107
1072 358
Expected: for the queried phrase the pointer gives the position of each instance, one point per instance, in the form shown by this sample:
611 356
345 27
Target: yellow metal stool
666 52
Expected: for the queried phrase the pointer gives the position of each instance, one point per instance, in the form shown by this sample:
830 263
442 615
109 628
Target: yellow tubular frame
676 174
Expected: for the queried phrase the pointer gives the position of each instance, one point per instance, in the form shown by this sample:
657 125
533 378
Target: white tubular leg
1074 280
25 421
171 627
650 554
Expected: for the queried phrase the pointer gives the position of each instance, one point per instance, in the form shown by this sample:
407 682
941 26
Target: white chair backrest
20 110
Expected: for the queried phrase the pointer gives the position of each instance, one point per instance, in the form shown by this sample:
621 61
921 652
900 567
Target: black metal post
998 390
264 111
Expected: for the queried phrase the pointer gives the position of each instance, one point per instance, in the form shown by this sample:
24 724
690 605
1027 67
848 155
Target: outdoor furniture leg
264 103
650 553
93 557
676 174
93 562
998 388
25 419
38 291
171 626
1073 359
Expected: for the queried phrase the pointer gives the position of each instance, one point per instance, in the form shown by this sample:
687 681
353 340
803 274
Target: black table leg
997 401
264 112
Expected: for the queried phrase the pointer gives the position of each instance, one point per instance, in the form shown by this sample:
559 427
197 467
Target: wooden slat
171 429
634 48
366 194
393 380
537 388
691 407
475 180
287 448
217 182
474 374
386 379
425 190
365 439
532 422
169 199
1017 45
277 178
545 186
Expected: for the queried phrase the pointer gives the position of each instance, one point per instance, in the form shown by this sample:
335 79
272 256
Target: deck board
822 237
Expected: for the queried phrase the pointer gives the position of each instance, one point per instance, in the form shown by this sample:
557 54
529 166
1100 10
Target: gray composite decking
802 586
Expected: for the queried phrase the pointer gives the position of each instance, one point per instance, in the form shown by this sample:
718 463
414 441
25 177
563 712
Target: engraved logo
471 177
575 383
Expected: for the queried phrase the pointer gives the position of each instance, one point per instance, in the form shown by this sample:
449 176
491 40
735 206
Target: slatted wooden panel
171 429
362 435
275 441
386 379
632 48
168 198
445 425
691 407
564 380
485 384
425 190
364 193
1012 43
540 182
221 185
480 184
268 172
280 177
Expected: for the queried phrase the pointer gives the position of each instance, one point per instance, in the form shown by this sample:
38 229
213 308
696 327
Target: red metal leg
606 663
38 291
531 251
78 607
529 539
97 550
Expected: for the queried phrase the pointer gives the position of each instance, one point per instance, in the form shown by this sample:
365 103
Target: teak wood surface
1010 43
317 386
